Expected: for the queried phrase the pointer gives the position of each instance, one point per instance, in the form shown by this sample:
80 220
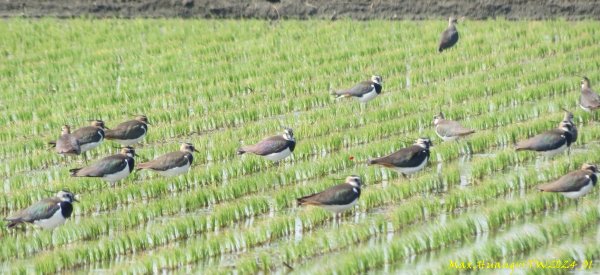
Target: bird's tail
372 161
52 143
12 223
74 171
241 151
141 166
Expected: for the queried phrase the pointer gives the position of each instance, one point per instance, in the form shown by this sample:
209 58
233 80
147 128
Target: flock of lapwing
52 212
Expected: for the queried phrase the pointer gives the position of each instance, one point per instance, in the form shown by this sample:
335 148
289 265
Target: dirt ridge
304 9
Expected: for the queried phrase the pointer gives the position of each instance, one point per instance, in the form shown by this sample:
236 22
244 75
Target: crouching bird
408 160
274 148
172 164
48 213
574 185
336 199
364 91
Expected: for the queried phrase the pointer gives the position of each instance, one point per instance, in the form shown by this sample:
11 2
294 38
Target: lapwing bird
569 118
336 199
448 129
450 36
588 100
90 137
172 164
48 213
129 132
364 91
574 185
408 160
111 169
66 144
273 148
549 143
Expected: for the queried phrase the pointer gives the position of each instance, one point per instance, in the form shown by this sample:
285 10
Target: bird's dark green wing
127 130
168 161
43 209
88 134
338 195
408 157
571 182
105 166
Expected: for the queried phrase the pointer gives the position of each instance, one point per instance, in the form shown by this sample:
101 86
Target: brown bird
274 148
172 164
129 132
574 185
450 36
448 129
588 100
67 144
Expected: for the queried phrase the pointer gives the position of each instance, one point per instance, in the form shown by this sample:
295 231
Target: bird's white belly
279 156
56 220
175 171
368 96
555 151
585 108
90 146
339 208
112 178
578 194
128 142
412 170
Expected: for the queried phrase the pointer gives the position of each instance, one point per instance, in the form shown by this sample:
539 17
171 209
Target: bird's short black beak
75 200
196 150
105 128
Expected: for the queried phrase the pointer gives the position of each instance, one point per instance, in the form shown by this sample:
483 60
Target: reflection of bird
129 132
363 91
172 164
111 169
67 144
448 129
588 100
549 143
336 199
574 185
274 148
407 160
48 213
450 36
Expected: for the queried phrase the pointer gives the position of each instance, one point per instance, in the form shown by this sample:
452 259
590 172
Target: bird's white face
376 79
66 129
423 142
128 151
288 134
565 126
187 147
66 196
585 83
354 181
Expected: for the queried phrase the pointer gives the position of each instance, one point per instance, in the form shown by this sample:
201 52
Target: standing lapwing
336 199
588 100
274 148
450 36
66 144
549 143
172 164
407 160
111 169
363 91
48 213
569 118
129 132
574 185
448 129
90 137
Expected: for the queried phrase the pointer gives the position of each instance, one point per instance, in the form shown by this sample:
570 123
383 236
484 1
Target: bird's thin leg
577 204
85 158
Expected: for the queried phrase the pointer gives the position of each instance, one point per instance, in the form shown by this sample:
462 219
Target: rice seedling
262 76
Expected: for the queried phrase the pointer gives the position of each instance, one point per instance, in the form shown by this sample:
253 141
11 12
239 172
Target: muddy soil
304 9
